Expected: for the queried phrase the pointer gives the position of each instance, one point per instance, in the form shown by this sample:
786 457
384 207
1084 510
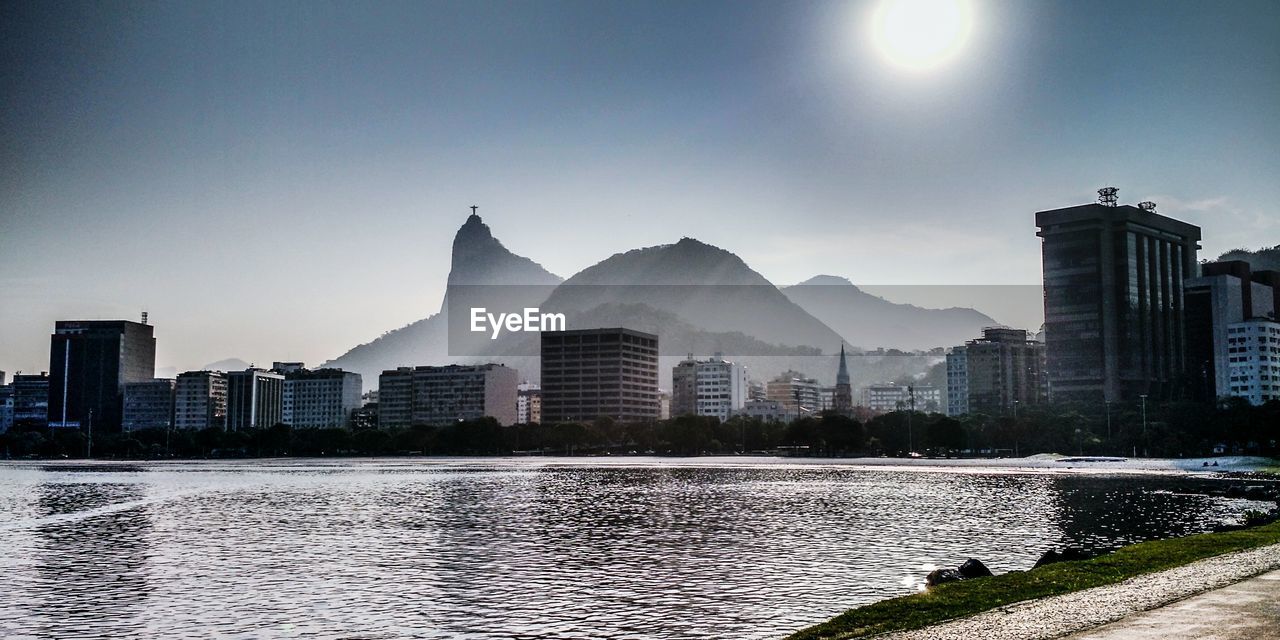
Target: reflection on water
528 549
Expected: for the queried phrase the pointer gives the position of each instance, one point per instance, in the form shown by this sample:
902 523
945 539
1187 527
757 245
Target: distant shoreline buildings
1130 315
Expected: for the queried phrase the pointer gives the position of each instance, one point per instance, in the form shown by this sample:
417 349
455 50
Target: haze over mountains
699 298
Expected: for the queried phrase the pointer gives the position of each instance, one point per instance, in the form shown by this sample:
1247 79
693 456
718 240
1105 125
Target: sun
921 34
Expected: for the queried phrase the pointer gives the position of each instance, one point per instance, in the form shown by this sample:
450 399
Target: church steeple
844 393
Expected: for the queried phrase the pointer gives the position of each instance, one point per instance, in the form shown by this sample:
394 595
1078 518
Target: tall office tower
255 399
200 400
1226 293
148 405
320 398
1001 369
715 388
842 401
90 361
957 381
592 373
30 400
395 398
798 394
1113 278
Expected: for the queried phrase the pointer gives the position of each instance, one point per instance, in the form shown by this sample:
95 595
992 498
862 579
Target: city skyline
266 181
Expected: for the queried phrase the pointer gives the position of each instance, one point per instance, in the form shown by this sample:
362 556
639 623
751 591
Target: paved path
1249 610
1213 598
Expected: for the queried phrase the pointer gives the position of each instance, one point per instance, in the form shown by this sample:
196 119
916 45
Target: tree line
1170 430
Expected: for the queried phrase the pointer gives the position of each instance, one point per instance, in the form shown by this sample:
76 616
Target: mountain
229 364
870 321
1260 260
702 285
479 259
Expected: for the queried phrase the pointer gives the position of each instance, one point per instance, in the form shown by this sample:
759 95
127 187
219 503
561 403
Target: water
529 548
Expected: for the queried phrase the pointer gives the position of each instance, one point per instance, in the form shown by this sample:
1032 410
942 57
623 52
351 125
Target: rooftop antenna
144 317
1148 206
1107 196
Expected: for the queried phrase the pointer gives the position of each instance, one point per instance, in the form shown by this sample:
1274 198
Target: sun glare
921 34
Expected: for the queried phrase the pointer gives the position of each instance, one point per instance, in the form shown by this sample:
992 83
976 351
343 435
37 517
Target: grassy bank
958 599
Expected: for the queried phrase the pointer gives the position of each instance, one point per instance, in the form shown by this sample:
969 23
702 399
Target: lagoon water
530 547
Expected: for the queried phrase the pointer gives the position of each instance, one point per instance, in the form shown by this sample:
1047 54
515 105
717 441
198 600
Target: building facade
1113 296
1224 294
255 399
884 398
30 400
996 372
321 398
766 410
528 403
442 395
90 362
148 405
593 373
799 395
957 382
1254 360
6 407
715 387
200 400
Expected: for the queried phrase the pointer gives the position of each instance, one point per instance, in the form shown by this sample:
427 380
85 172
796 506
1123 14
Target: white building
883 398
200 400
957 382
800 395
1253 348
715 387
321 398
766 410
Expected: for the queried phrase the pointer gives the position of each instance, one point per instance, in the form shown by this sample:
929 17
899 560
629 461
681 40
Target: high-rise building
320 398
592 373
200 400
1254 362
255 399
148 405
528 403
395 398
1225 293
442 395
2 379
90 361
996 372
1113 278
798 394
30 400
957 381
715 387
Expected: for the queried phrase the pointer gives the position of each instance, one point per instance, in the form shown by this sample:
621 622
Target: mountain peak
480 258
827 280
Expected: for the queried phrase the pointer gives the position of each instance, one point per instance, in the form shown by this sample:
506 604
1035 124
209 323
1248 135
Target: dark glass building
90 362
1113 301
593 373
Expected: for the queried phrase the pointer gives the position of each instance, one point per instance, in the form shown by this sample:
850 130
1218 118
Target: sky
282 181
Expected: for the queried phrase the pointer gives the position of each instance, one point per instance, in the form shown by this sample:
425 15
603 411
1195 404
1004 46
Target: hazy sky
283 180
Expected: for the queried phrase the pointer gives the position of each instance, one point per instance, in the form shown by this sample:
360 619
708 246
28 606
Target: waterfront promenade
1236 595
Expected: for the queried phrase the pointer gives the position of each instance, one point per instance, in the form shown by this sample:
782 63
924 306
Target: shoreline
1064 597
1264 468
